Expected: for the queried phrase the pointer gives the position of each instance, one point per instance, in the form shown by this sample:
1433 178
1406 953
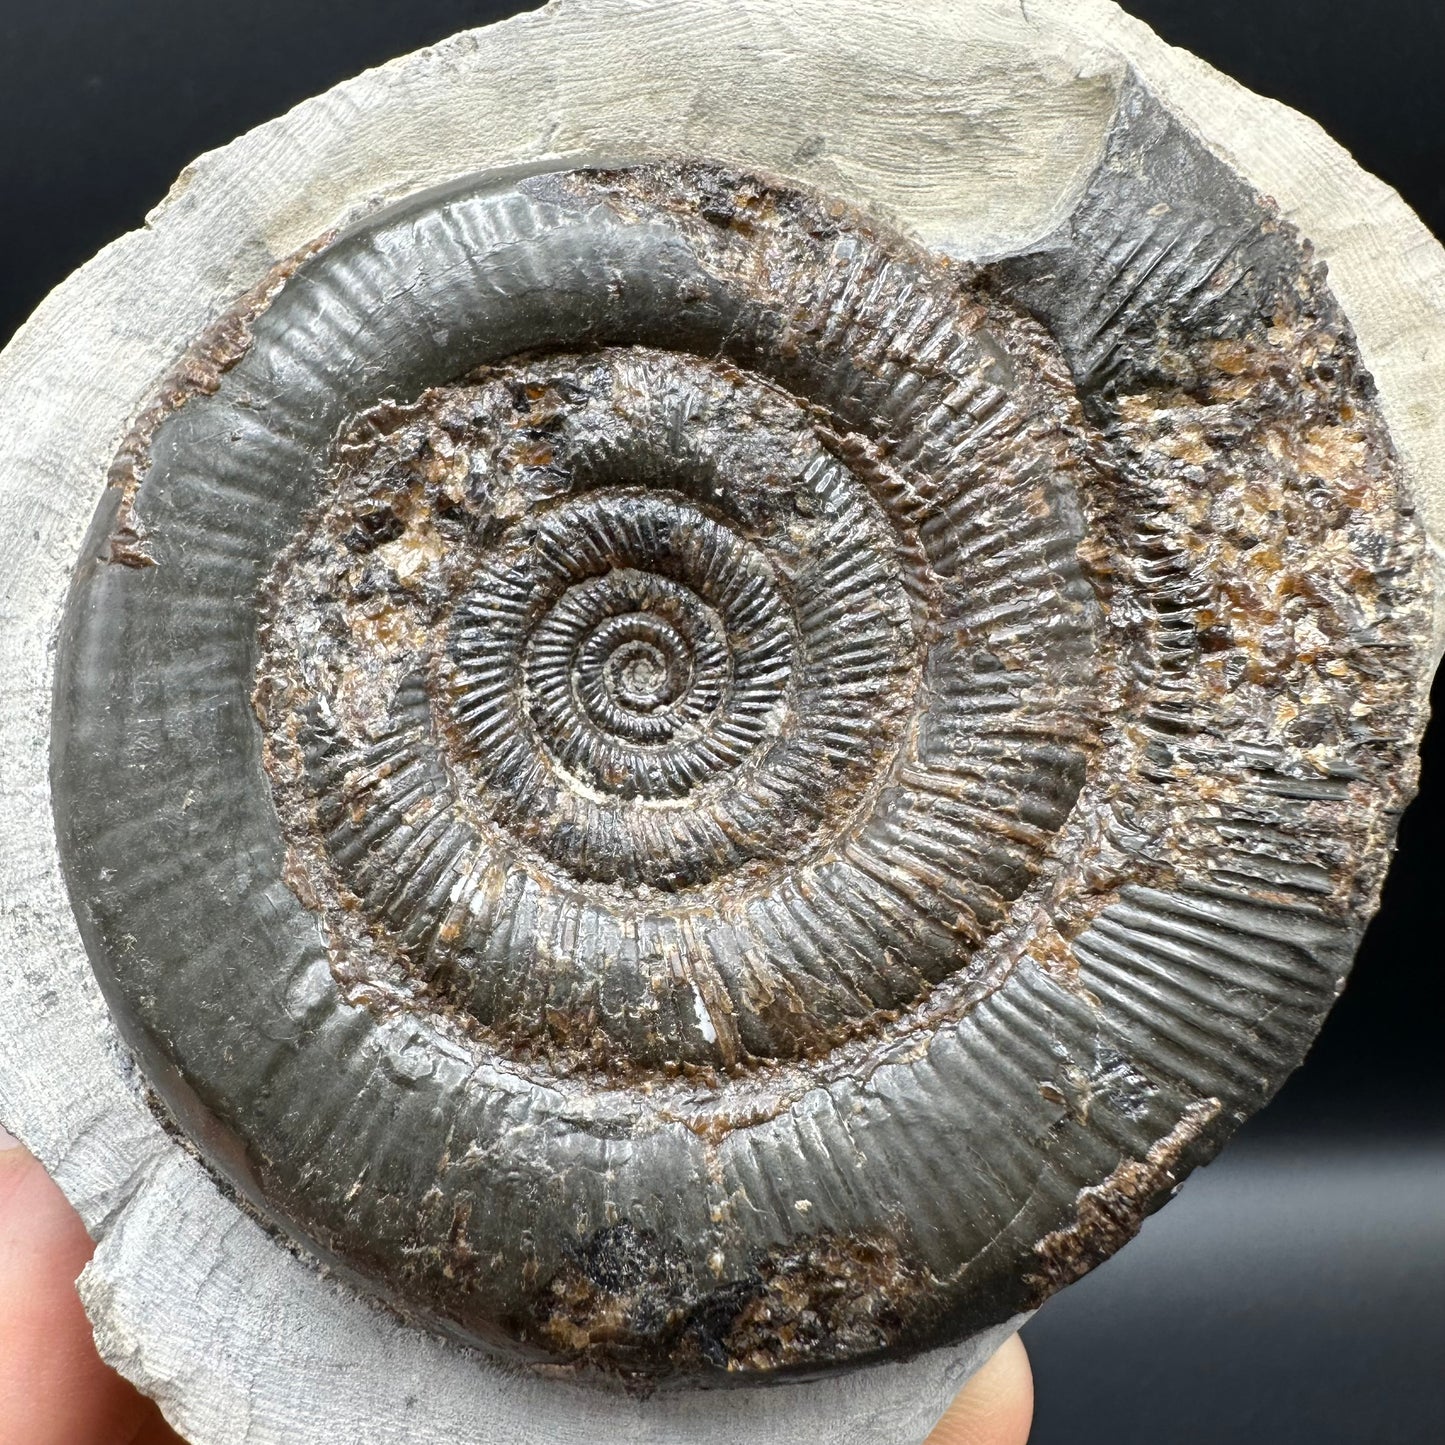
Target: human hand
996 1407
56 1390
54 1387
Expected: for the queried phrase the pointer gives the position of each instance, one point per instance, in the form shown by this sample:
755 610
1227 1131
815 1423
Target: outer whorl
677 784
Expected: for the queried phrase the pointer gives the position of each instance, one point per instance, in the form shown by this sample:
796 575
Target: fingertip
996 1407
54 1387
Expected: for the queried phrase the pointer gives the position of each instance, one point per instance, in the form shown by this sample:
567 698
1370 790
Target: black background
1296 1291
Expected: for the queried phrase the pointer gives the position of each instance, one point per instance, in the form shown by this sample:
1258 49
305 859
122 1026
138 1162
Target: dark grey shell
675 784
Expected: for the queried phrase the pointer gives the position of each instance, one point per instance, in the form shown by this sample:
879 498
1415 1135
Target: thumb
996 1407
54 1387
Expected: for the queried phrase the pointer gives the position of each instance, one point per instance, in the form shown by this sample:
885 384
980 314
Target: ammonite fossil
682 781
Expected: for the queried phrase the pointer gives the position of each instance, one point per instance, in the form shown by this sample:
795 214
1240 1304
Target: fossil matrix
706 747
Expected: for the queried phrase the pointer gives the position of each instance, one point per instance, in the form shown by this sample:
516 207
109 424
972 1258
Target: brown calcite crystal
693 780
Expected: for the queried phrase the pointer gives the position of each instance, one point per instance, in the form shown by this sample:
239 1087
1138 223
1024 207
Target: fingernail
7 1141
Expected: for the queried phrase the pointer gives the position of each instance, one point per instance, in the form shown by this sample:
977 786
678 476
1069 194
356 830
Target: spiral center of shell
641 677
700 700
616 659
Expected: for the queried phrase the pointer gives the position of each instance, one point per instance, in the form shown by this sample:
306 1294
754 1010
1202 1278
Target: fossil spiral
676 783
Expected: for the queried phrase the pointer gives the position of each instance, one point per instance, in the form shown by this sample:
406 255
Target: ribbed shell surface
676 784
